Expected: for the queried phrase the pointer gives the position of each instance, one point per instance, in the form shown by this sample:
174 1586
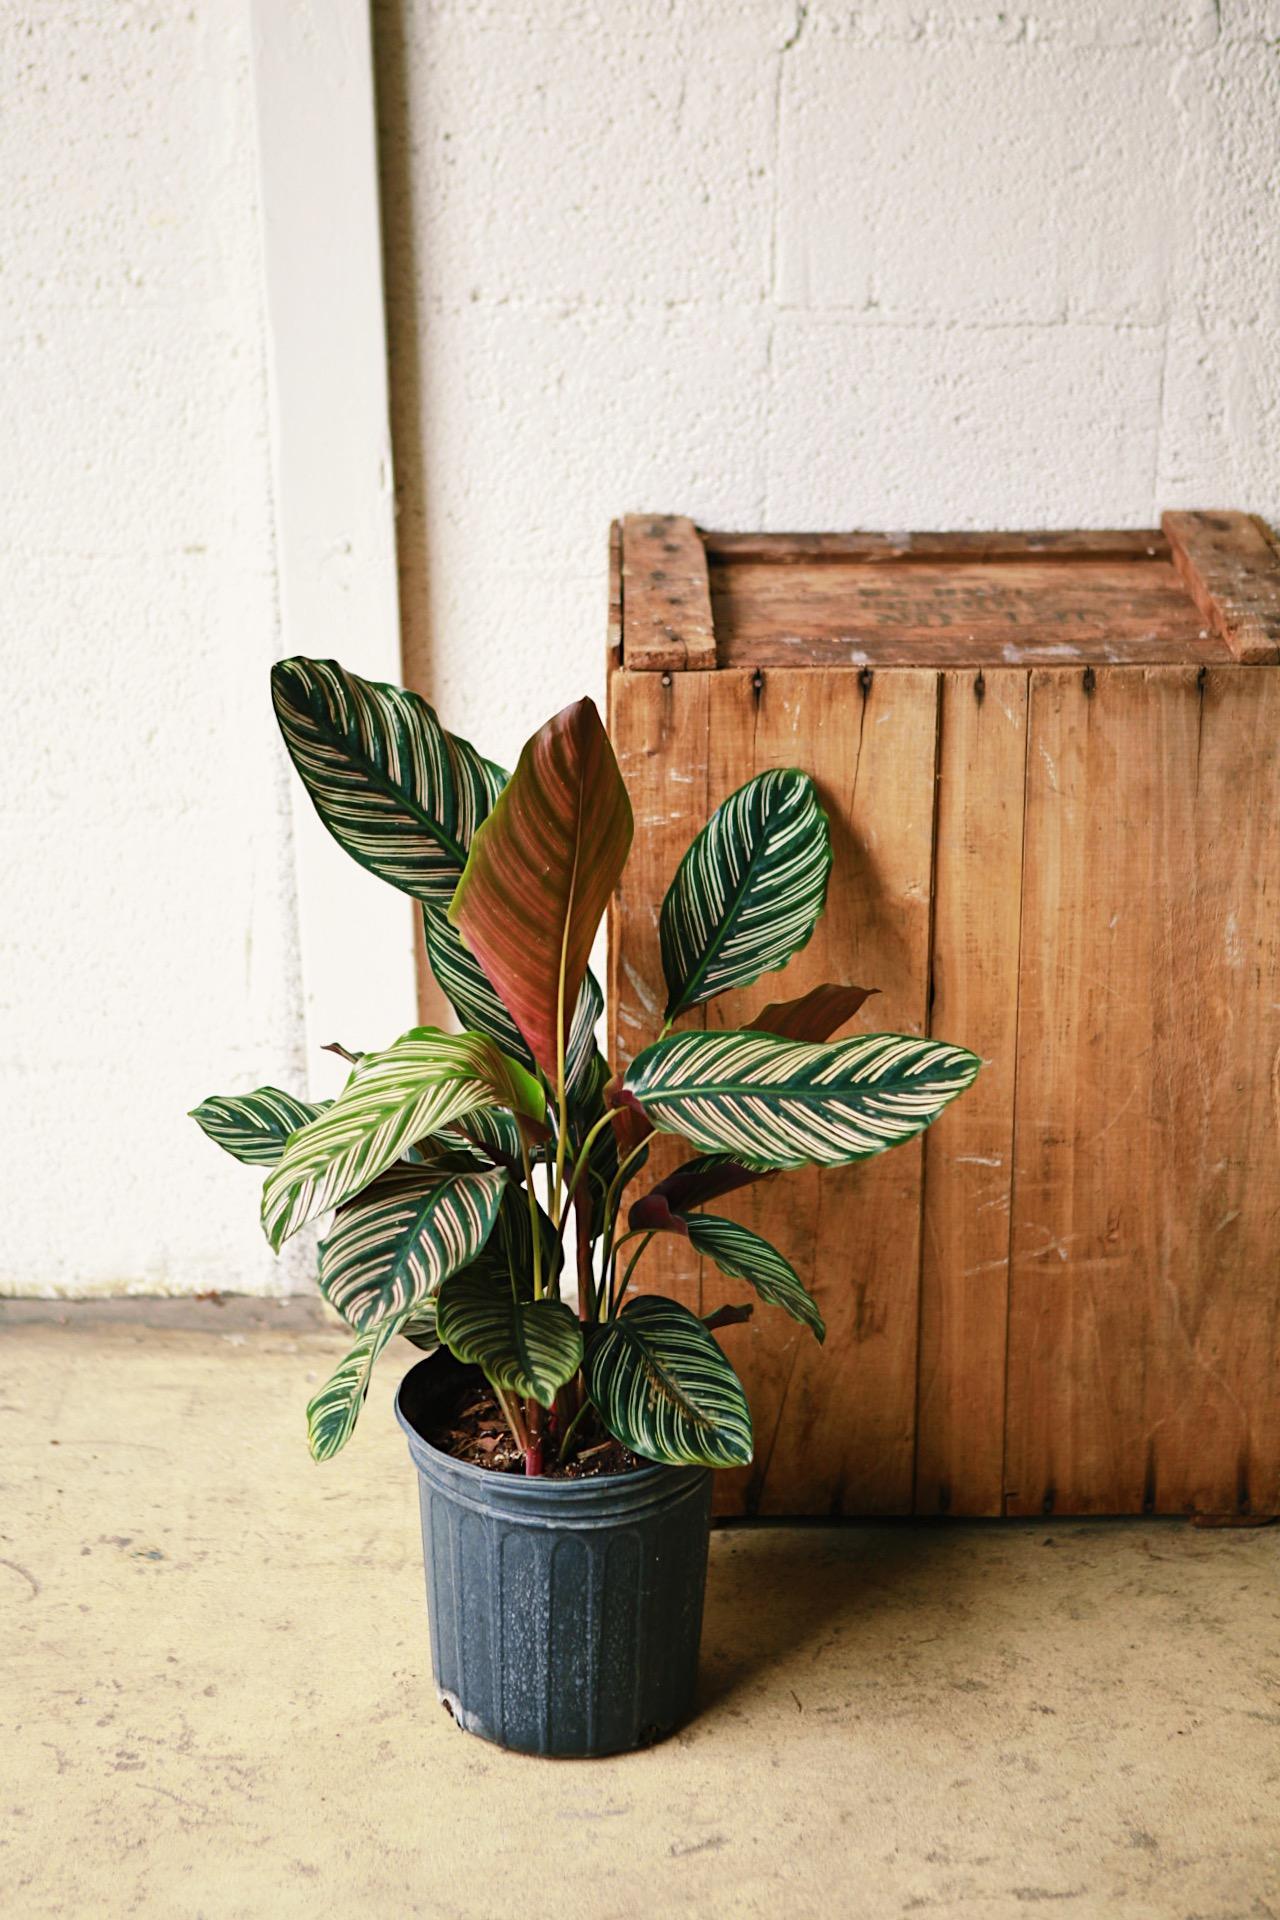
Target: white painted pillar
331 454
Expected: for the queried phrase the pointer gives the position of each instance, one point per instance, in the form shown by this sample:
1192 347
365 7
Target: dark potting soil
470 1427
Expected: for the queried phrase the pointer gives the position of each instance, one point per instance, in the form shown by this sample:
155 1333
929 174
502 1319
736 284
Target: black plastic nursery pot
565 1614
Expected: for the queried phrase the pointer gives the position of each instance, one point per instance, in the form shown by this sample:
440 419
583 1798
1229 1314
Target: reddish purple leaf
814 1016
707 1178
631 1124
540 872
727 1317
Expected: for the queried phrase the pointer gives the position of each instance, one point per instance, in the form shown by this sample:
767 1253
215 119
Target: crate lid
1203 588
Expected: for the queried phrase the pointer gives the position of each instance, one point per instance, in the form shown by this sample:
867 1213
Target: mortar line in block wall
1017 1081
928 1028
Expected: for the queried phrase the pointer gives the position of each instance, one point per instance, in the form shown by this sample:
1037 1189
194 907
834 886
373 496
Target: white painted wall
149 952
786 265
767 264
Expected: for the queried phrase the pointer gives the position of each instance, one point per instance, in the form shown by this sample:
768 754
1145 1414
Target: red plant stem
582 1224
533 1452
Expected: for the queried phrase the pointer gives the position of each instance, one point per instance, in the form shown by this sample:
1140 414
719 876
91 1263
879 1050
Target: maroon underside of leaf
728 1317
541 870
692 1185
652 1214
814 1016
631 1124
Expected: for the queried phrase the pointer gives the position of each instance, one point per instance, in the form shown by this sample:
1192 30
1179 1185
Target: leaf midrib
688 997
389 787
665 1383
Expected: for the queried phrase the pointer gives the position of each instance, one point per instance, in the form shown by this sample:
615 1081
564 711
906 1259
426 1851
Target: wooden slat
613 631
979 613
968 1155
756 722
786 549
666 597
659 727
835 1424
1144 1325
1232 575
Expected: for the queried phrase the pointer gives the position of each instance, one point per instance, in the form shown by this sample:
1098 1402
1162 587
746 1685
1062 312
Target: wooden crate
1052 767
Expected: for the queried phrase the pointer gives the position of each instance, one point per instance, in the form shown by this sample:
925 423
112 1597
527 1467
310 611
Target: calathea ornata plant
460 1167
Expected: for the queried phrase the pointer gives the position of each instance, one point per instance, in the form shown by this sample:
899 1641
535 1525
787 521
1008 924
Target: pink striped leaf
540 872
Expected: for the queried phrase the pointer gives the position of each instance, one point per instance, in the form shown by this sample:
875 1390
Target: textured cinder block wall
147 951
804 265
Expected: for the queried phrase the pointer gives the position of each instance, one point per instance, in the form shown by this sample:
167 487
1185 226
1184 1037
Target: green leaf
422 1083
748 893
399 793
394 1243
663 1388
540 872
743 1255
476 1001
529 1347
254 1126
508 1253
468 989
581 1052
420 1327
781 1103
332 1415
494 1135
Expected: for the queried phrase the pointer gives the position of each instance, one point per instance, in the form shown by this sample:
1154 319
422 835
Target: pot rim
520 1486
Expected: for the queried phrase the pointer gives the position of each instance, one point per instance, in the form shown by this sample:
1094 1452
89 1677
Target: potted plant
564 1452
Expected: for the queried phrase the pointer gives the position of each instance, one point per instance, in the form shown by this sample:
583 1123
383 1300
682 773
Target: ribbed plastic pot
565 1614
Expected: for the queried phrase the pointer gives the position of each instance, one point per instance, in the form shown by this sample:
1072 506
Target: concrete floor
215 1698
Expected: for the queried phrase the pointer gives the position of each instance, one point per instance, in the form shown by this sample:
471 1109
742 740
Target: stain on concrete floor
215 1699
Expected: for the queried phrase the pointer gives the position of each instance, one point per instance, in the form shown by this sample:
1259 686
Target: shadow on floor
787 1594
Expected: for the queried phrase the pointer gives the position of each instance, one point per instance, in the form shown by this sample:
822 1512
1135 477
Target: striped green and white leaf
424 1082
468 989
663 1388
744 1255
581 1051
397 792
749 891
772 1102
253 1127
420 1327
477 1003
332 1414
529 1347
396 1241
495 1134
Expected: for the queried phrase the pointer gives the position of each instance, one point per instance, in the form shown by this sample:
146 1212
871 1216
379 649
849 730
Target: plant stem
562 1111
615 1299
611 1200
533 1219
533 1451
582 1219
569 1432
512 1415
575 1177
585 1149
